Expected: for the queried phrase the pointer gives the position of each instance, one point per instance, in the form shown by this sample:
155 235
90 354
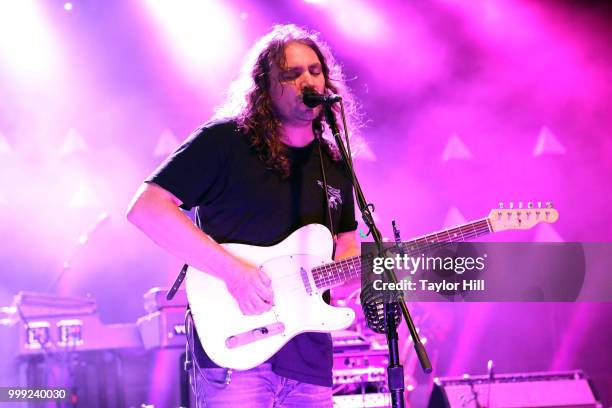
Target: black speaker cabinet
554 389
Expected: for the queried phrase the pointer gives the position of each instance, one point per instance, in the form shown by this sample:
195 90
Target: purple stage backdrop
465 103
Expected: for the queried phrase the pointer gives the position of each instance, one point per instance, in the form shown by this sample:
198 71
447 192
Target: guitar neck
335 273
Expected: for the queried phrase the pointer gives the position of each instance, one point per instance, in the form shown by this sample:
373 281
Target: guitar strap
331 222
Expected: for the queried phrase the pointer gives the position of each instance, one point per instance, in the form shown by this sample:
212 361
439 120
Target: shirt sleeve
195 168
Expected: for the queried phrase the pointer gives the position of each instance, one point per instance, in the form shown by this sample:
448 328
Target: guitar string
430 244
336 271
481 227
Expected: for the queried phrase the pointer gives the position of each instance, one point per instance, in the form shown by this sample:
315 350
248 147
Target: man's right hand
156 212
251 288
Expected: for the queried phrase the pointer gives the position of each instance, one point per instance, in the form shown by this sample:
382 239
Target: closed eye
315 70
290 74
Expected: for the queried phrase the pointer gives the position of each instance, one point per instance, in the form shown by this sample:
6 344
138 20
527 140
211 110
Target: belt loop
228 376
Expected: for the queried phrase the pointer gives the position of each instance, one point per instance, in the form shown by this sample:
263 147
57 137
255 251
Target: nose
308 81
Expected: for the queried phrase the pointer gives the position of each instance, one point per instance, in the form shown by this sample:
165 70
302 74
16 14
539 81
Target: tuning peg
530 205
520 204
539 204
501 205
511 205
548 204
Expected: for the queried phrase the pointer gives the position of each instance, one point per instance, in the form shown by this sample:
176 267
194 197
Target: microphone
373 305
312 98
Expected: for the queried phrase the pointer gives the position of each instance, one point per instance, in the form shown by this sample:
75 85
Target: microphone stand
395 371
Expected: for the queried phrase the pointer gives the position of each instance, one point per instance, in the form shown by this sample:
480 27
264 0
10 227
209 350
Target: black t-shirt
239 200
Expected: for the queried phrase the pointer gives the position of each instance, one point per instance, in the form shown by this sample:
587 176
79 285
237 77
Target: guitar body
236 341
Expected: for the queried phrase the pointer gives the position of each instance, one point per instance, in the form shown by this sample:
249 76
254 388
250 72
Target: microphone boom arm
366 212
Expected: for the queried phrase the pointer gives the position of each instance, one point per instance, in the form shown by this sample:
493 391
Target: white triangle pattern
166 144
5 147
547 233
73 143
547 143
456 150
453 218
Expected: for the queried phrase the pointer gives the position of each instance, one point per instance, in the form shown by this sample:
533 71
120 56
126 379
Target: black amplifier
548 389
163 329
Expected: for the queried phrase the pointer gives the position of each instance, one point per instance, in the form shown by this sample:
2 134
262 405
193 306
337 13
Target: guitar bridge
254 335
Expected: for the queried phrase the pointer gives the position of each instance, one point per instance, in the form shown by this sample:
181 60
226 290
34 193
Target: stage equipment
546 389
54 324
164 326
359 371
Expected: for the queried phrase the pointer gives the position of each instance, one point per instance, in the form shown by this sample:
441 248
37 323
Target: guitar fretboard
334 273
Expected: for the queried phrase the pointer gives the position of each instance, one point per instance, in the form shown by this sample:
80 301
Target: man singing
261 169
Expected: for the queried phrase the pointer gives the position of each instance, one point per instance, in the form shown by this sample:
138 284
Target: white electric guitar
301 269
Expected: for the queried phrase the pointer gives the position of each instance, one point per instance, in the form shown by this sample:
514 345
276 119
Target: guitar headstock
521 218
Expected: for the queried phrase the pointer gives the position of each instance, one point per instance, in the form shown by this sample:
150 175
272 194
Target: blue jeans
258 387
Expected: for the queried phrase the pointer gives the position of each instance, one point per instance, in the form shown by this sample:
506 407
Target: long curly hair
249 101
